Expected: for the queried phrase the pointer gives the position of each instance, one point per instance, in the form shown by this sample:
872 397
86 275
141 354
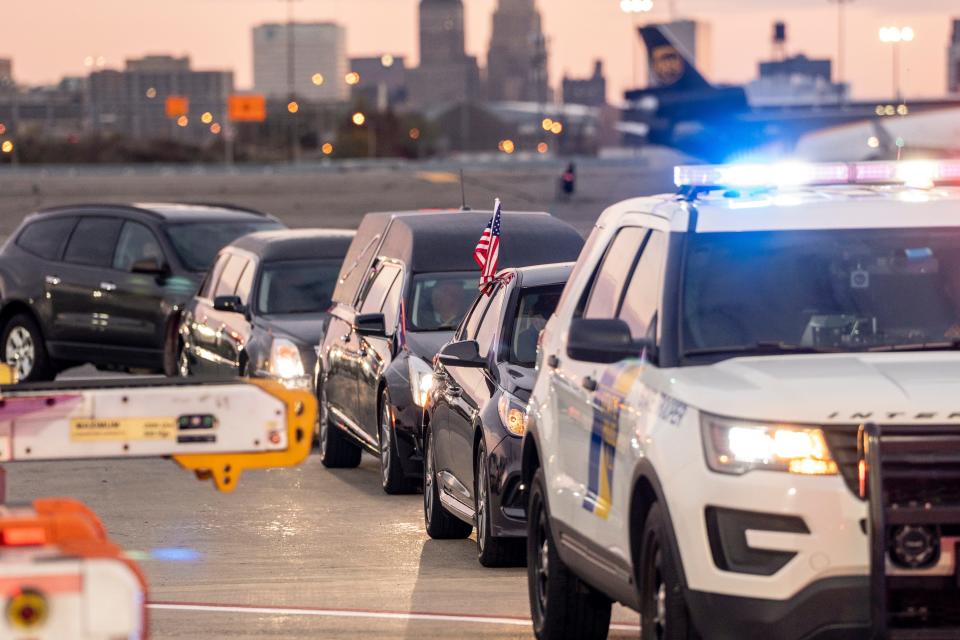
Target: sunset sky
51 38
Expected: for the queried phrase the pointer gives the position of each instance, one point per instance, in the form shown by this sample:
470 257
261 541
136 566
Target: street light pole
841 37
894 36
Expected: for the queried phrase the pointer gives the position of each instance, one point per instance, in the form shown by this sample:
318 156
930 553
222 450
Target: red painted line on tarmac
477 618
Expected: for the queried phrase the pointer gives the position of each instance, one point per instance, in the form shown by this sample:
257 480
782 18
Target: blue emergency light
913 173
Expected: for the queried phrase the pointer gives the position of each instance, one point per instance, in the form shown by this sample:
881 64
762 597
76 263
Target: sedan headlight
513 414
736 447
421 380
285 361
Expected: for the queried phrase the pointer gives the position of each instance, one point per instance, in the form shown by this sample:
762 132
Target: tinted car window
490 322
534 309
377 289
210 282
641 301
93 241
302 286
197 243
612 277
439 301
469 331
136 243
230 277
45 238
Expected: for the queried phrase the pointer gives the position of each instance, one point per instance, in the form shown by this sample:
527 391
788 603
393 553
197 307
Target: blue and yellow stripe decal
607 403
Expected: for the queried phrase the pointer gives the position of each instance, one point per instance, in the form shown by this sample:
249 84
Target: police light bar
913 173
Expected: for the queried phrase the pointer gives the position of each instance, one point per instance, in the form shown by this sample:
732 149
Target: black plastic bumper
508 517
409 431
830 609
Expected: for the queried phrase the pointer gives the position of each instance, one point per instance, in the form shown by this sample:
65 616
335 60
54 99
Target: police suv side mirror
371 324
465 353
229 304
604 341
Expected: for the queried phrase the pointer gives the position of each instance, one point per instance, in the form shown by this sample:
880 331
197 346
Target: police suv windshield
826 290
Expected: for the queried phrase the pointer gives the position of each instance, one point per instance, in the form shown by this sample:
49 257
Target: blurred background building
953 60
591 92
446 73
305 60
382 81
517 59
133 102
6 73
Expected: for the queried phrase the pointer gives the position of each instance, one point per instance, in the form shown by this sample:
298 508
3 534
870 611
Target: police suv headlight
738 446
421 380
513 414
285 361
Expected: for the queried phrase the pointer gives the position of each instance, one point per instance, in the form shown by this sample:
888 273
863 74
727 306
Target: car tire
491 550
392 477
336 449
183 360
562 606
663 610
440 524
25 350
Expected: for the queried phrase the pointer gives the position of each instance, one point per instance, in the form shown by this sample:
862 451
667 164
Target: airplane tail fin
671 64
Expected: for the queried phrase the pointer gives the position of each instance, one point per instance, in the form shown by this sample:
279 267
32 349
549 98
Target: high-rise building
6 72
591 92
446 73
133 101
517 61
383 80
304 60
953 60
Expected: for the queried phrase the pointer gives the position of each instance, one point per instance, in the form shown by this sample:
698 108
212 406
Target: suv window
490 322
642 298
377 290
45 238
93 242
230 276
469 331
610 280
136 243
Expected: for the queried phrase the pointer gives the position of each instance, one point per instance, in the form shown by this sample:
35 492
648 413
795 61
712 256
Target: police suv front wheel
562 606
663 610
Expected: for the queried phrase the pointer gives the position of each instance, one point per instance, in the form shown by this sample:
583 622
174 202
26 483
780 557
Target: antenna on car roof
463 193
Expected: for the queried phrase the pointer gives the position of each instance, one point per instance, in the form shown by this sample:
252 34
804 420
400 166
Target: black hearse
406 283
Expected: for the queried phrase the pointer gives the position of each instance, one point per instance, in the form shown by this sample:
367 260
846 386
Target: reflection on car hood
306 328
426 344
912 388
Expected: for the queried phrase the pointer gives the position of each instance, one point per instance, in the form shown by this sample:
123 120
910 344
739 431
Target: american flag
487 253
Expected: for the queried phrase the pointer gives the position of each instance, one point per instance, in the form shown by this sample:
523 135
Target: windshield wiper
763 347
952 344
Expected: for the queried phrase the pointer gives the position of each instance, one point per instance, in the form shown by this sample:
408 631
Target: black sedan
406 283
476 416
263 306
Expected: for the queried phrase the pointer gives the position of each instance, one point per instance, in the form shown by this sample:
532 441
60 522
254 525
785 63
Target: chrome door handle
453 391
346 338
589 384
52 280
553 361
108 286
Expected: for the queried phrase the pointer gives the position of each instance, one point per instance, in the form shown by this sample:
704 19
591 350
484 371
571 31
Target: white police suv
691 446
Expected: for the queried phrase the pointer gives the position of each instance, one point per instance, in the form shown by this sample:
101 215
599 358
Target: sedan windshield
438 301
535 308
763 293
298 286
197 243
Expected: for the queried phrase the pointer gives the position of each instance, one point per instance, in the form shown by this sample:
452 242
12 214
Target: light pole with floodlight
894 36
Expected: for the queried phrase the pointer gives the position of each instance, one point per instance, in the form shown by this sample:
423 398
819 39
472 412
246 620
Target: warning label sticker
105 429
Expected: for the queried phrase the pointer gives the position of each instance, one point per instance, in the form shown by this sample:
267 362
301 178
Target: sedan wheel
20 352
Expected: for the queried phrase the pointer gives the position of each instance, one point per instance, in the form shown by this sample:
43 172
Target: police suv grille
843 447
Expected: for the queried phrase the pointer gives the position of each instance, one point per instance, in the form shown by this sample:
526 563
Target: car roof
296 244
813 208
543 274
170 211
445 241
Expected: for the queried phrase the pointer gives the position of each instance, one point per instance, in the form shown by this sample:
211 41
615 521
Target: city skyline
740 37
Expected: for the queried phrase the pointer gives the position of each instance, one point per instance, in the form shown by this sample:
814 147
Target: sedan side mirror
604 341
371 324
149 266
465 353
230 304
